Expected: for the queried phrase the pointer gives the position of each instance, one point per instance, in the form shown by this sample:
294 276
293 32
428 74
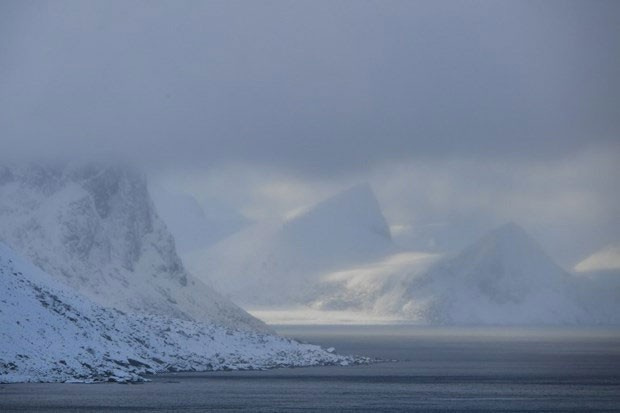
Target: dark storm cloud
310 86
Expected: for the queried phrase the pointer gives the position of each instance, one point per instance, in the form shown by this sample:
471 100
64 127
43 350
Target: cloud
317 87
462 115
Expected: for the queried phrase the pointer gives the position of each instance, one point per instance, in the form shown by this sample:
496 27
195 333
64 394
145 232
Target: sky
461 114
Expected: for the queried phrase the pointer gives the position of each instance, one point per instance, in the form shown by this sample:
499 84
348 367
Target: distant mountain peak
279 264
356 207
510 230
503 278
361 193
509 239
360 190
507 257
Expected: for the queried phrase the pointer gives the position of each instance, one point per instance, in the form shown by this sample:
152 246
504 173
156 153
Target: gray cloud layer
313 86
462 114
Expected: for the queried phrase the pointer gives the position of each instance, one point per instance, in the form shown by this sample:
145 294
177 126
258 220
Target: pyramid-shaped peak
354 198
503 278
513 238
361 190
508 236
353 207
510 231
508 243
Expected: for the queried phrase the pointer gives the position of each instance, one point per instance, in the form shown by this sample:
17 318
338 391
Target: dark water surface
437 369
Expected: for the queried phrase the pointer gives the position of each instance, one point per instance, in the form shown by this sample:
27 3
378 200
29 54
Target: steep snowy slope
50 333
94 227
504 278
193 226
278 264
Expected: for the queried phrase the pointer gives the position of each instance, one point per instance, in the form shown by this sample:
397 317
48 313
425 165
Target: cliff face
94 227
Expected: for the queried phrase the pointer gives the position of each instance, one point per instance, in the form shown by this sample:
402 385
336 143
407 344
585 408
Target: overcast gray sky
454 110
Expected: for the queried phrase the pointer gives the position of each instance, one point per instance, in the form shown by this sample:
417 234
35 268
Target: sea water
421 368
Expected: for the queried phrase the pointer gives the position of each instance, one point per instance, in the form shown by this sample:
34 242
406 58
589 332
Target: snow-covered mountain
94 227
278 264
504 278
194 226
51 333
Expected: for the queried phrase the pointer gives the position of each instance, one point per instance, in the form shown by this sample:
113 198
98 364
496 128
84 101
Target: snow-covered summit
355 209
348 227
504 278
508 240
507 255
275 264
94 227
